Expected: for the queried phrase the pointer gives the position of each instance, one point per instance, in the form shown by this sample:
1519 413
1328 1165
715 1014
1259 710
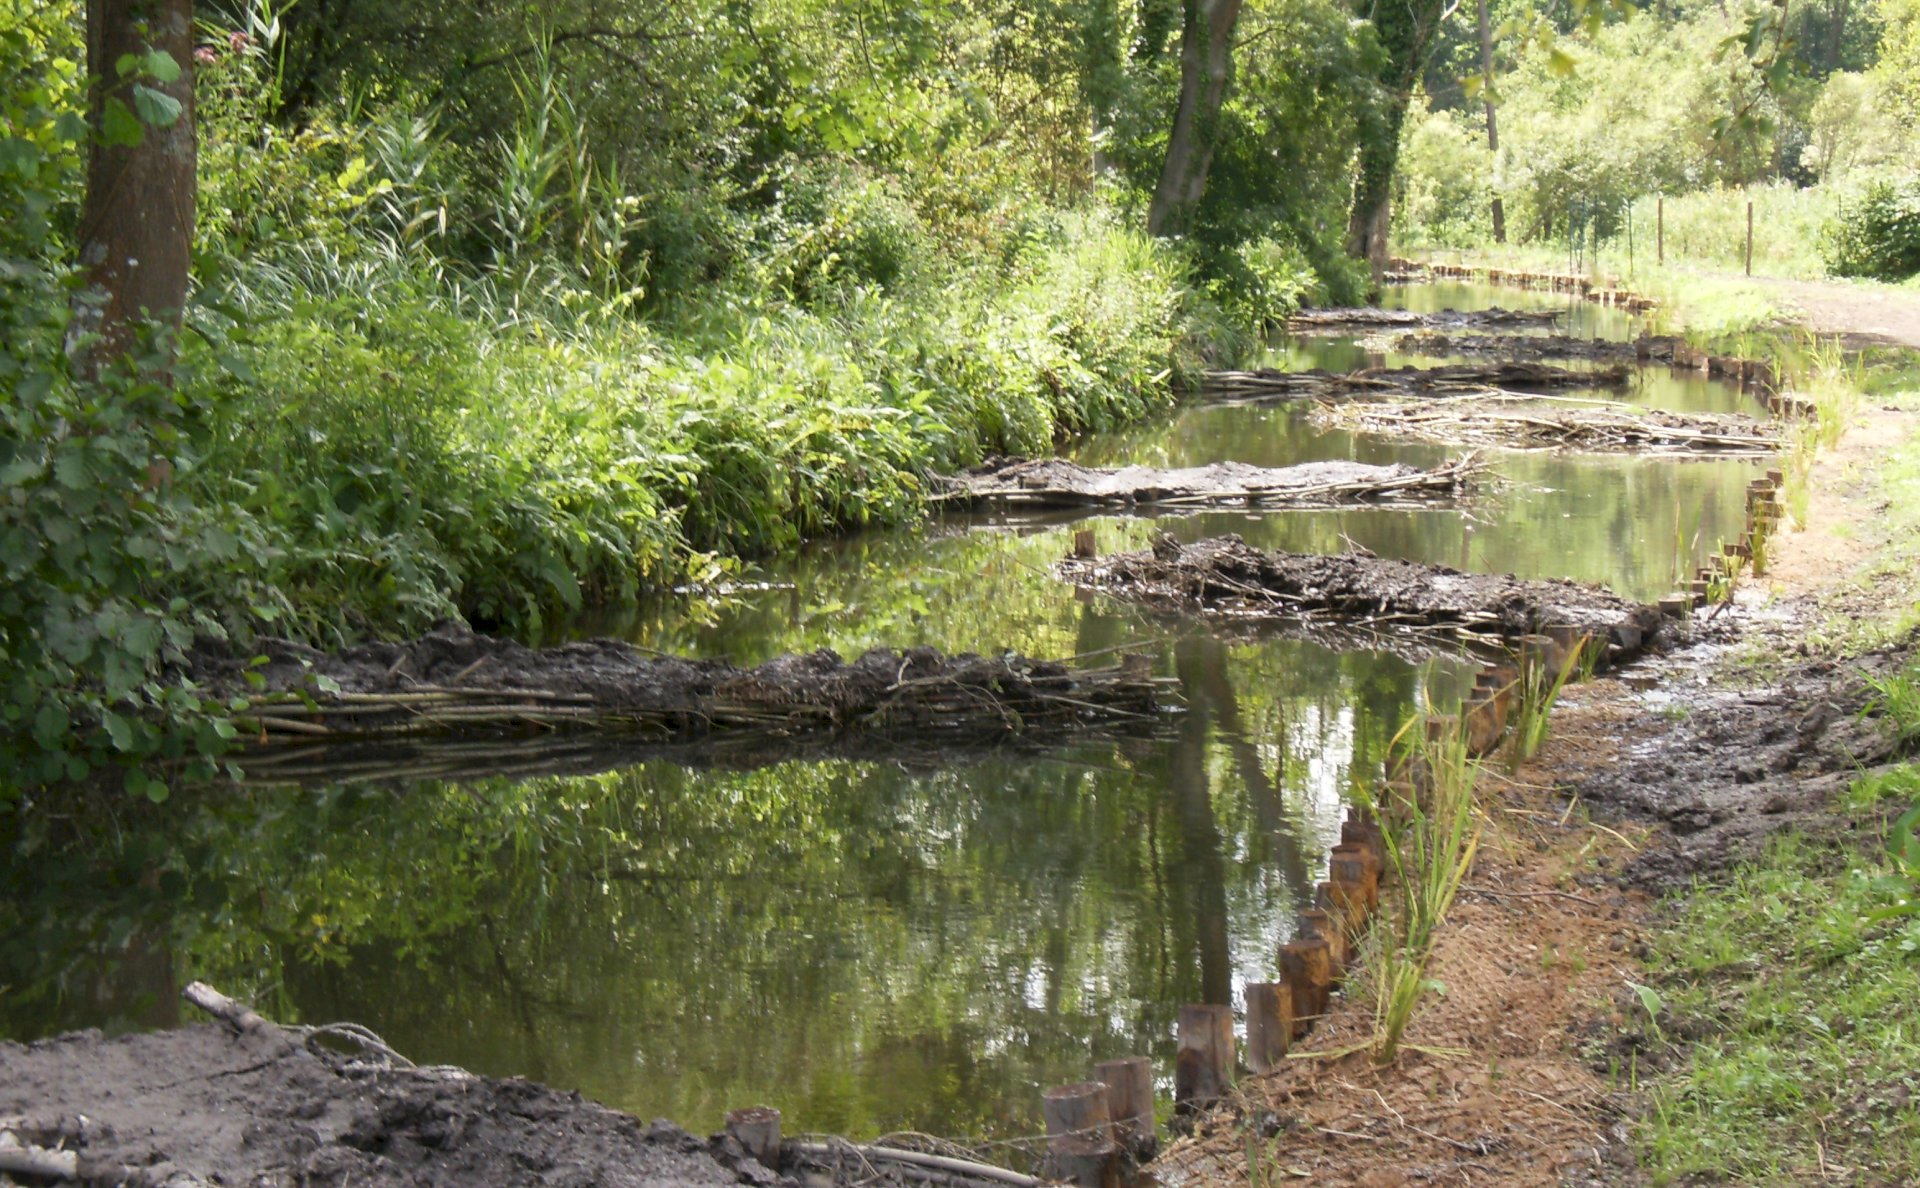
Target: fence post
1749 237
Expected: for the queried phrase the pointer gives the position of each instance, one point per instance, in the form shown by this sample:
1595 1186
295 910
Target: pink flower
204 56
238 41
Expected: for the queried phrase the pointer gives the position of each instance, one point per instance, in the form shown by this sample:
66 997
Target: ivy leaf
156 107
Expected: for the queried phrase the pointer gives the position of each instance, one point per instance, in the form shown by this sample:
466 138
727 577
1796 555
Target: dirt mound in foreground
201 1105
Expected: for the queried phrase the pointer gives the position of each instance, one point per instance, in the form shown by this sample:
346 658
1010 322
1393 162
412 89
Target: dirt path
1864 314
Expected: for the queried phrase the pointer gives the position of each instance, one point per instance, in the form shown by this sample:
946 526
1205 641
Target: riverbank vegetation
504 314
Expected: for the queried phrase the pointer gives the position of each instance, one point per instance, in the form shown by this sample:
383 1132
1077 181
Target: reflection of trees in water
865 946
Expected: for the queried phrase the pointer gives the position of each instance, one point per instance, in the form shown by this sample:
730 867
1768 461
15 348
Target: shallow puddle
866 946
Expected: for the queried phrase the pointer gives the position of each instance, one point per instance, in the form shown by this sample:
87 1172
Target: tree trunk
136 223
1372 215
1493 130
1206 67
1406 29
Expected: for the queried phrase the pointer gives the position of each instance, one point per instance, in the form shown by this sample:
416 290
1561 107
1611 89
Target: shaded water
867 946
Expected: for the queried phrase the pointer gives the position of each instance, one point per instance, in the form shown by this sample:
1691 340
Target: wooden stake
757 1129
1203 1067
1084 546
1269 1025
1749 237
1129 1082
1307 968
1080 1146
1330 925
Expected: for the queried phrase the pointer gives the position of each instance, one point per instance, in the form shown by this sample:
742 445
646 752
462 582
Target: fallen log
1363 318
1227 578
1546 424
1055 482
1513 375
454 681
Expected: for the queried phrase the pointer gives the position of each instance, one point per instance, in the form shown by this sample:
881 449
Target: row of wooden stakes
1716 578
1609 293
1099 1128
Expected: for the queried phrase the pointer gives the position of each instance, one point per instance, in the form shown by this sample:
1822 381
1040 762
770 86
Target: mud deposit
455 680
1363 318
201 1105
1056 482
1228 577
1539 346
1725 769
1453 378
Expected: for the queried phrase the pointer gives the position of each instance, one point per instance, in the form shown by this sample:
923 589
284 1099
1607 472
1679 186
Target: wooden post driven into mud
1129 1082
757 1130
1080 1146
1749 237
1306 965
1269 1025
1203 1067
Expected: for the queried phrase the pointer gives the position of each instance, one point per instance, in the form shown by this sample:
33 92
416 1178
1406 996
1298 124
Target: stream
868 946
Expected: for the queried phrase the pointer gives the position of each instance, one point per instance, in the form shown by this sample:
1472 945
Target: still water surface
869 946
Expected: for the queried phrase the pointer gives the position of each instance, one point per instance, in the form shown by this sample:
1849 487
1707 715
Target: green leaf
126 64
19 156
156 107
1649 998
160 65
119 127
118 729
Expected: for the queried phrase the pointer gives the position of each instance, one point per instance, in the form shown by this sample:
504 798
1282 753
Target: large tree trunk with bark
1406 29
1206 67
1493 130
136 224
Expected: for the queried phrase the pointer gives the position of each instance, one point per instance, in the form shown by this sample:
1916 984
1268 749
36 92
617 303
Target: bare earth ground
1884 316
1526 1059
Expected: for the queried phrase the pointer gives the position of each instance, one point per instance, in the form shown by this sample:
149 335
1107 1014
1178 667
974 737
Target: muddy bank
1542 424
1055 482
248 1101
1723 769
455 681
202 1105
1364 318
1268 384
1228 578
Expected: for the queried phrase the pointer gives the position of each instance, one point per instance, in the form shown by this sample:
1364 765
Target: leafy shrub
1877 233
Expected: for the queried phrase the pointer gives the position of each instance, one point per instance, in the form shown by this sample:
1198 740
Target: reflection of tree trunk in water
1203 865
141 986
1161 914
1262 790
521 1002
